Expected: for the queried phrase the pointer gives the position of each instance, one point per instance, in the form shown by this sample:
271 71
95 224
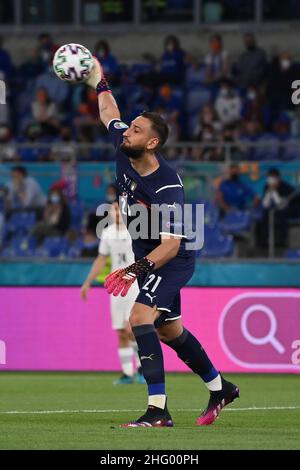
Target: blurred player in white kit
116 243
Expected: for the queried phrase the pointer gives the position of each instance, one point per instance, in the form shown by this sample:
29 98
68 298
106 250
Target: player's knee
164 337
141 315
135 318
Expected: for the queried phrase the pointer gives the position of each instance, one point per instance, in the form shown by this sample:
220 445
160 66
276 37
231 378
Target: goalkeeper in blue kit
163 264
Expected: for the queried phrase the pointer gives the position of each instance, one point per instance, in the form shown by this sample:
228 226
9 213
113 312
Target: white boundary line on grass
44 412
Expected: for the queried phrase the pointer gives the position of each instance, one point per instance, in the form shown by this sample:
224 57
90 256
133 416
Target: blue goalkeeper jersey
163 186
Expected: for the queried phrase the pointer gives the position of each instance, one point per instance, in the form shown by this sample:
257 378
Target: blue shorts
162 288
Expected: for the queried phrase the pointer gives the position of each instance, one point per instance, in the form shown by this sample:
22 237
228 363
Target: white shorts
120 307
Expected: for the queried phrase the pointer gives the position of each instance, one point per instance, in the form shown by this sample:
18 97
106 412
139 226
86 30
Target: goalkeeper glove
96 79
121 280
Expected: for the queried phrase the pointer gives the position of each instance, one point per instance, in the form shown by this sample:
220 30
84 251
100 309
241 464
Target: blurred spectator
172 69
24 192
208 135
228 103
250 69
233 193
230 135
284 199
216 61
109 63
207 117
87 119
282 72
33 66
90 242
6 65
169 105
33 152
64 149
111 193
46 48
251 131
7 147
57 89
56 218
44 112
254 107
195 72
282 126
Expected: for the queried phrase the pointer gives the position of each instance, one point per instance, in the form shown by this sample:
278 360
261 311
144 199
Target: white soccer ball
73 63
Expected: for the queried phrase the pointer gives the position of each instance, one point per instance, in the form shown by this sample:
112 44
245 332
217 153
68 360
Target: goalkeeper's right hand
96 75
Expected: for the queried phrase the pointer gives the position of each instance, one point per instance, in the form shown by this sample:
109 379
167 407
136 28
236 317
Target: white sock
125 355
136 354
214 385
157 400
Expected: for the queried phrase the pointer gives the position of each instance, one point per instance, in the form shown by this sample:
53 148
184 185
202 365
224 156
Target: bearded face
133 152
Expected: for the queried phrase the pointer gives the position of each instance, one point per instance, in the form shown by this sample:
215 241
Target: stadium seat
53 247
268 149
77 212
292 254
216 244
211 214
23 246
236 222
291 150
20 223
196 98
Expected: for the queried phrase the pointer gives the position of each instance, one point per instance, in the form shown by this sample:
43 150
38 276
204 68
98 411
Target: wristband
103 86
142 266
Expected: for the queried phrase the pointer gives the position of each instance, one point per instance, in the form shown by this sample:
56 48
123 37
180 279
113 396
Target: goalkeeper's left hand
120 281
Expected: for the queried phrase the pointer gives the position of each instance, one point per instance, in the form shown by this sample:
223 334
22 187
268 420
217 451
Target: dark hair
102 44
158 125
44 36
217 37
274 172
174 39
19 169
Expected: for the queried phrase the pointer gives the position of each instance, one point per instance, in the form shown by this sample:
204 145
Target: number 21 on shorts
153 278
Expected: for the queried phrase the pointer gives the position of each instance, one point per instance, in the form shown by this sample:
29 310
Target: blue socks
190 351
152 362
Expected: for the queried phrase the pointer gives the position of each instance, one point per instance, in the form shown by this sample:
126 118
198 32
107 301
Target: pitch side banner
242 329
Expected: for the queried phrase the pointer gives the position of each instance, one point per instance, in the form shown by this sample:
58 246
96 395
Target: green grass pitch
84 410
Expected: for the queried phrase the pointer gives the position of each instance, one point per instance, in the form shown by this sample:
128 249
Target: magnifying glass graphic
270 337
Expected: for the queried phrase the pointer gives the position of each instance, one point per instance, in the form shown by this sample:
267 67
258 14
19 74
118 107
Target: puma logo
150 297
172 205
147 357
126 178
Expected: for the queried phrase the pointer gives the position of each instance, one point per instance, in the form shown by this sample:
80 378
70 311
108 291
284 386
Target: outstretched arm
108 108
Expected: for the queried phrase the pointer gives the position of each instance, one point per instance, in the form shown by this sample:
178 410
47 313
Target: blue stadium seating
292 254
216 244
236 222
77 212
269 151
20 223
53 247
20 246
292 149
